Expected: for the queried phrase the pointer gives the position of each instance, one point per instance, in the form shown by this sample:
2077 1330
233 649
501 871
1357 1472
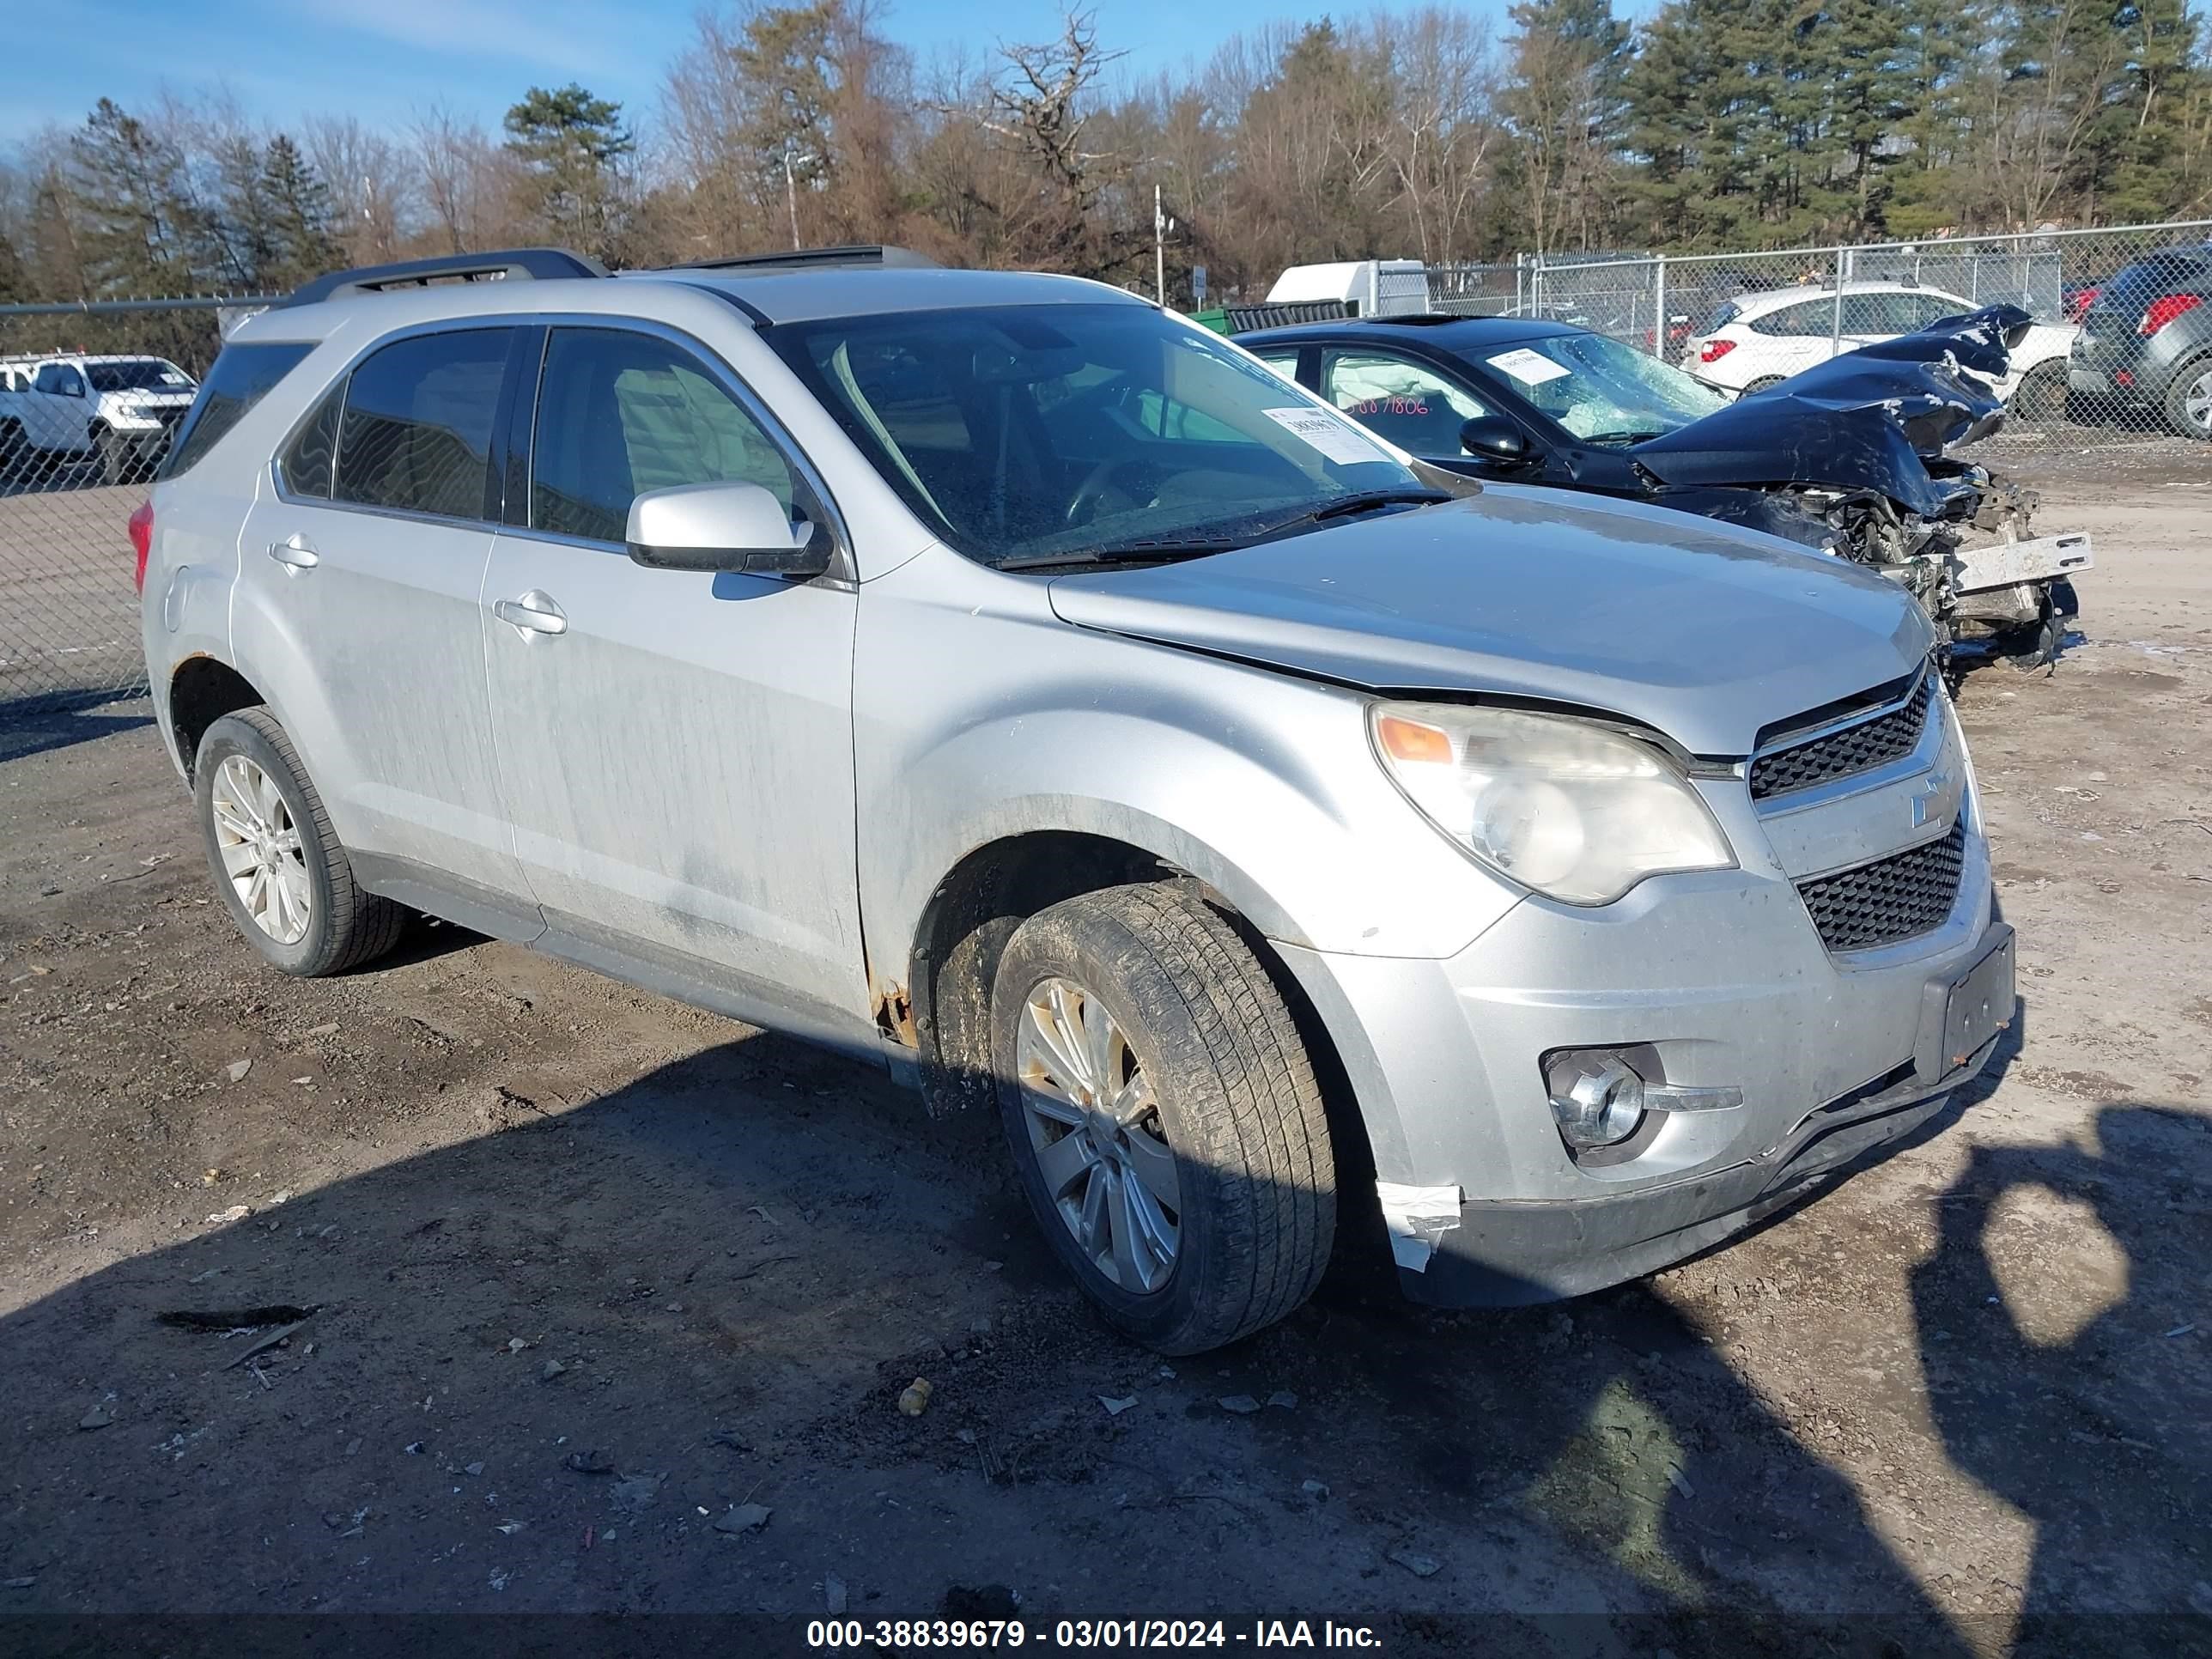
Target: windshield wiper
1366 501
1624 437
1129 553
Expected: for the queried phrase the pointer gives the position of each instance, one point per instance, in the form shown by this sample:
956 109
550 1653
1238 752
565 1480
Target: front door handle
297 552
534 613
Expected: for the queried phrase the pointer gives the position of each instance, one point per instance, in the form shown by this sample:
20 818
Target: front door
1415 406
675 747
57 412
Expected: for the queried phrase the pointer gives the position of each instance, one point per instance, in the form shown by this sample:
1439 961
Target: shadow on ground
547 1361
36 724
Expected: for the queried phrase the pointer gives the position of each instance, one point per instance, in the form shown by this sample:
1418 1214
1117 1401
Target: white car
1750 342
64 407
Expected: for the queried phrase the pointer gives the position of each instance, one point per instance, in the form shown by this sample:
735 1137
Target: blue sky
383 59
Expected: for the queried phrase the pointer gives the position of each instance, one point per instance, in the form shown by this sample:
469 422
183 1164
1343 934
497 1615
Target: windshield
137 375
1027 433
1603 392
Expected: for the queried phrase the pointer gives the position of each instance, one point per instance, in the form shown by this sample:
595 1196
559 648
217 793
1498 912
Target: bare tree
372 186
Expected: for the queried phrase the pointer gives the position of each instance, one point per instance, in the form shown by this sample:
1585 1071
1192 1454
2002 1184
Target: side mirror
725 526
1494 439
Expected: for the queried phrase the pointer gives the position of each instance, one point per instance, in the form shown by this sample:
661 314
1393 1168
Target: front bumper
1723 975
1503 1253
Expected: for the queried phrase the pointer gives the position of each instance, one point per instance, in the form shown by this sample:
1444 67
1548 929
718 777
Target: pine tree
571 145
134 205
298 206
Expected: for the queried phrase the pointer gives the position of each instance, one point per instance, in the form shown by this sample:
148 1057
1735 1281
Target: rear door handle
534 613
297 552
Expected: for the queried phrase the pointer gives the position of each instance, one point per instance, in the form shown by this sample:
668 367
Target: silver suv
1004 680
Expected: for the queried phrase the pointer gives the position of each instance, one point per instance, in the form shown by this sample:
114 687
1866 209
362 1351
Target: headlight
1564 806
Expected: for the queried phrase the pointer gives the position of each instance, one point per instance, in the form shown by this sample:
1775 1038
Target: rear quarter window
242 376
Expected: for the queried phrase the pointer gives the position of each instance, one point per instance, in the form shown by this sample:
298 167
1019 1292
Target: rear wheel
1165 1121
285 879
1761 384
2188 400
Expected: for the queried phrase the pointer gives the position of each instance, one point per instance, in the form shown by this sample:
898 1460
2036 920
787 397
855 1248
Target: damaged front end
1849 457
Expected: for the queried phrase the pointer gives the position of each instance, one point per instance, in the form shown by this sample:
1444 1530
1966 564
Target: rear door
675 747
360 574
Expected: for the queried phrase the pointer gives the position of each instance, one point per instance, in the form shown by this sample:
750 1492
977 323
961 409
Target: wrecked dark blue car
1851 456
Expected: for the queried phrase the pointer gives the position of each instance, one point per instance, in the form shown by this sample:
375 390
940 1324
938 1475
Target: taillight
2165 308
1713 350
142 538
2083 301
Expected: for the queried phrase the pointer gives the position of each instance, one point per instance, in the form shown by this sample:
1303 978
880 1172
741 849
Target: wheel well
945 1010
201 692
963 933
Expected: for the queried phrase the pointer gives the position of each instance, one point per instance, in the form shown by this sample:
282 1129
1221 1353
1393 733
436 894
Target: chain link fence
89 396
86 403
1745 320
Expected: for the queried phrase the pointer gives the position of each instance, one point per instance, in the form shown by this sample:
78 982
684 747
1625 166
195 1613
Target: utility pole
1159 247
790 195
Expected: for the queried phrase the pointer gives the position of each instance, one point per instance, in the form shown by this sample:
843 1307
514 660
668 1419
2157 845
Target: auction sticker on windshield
1529 367
1339 441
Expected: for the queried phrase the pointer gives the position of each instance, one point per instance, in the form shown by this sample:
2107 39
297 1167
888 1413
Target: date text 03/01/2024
1085 1633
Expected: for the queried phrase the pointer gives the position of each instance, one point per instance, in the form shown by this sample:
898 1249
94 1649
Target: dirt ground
590 1269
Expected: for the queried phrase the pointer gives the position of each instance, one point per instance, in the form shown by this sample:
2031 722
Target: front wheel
1760 385
2041 394
285 879
1165 1121
118 460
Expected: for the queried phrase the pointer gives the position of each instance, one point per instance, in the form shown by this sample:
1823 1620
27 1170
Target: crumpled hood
1863 420
1704 632
1777 437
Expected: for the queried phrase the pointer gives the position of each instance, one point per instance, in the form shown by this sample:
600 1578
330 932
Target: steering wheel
1084 504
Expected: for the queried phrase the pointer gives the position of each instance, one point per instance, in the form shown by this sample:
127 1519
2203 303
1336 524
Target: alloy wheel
2196 403
259 845
1094 1127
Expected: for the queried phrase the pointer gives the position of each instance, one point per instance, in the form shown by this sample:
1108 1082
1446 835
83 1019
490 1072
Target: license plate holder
1966 1010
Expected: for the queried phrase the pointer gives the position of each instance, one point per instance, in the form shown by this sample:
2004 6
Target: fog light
1596 1096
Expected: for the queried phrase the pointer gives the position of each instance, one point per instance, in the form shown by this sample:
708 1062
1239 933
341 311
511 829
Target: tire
344 927
1760 385
1222 1089
2188 399
119 463
2041 395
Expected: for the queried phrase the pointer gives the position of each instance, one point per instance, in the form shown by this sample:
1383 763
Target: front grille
1858 748
1892 899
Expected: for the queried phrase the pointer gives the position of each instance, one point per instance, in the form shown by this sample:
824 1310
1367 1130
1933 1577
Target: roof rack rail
510 265
815 259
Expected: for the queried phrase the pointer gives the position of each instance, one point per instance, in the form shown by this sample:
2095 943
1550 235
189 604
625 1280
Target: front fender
980 716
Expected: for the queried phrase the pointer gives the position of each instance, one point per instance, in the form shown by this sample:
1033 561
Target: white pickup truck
60 408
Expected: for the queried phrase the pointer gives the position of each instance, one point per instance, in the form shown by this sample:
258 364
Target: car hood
1699 630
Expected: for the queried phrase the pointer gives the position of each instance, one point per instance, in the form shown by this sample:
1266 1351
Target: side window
1284 363
1412 405
241 377
60 379
1806 317
619 414
305 465
1934 307
416 430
